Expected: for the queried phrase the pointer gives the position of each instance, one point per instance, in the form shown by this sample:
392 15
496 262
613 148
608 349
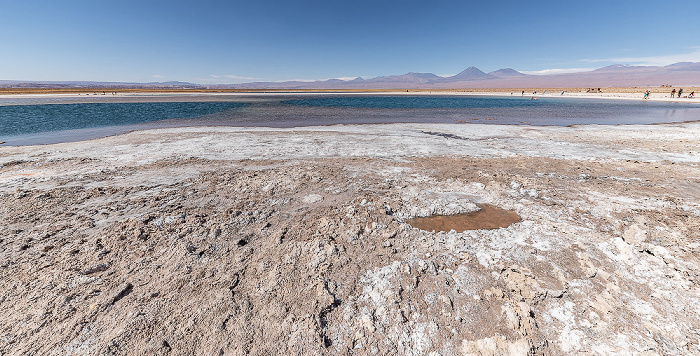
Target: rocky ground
224 241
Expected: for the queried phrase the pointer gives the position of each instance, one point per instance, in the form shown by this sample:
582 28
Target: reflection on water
33 120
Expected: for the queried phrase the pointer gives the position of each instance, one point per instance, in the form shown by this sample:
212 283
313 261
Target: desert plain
296 241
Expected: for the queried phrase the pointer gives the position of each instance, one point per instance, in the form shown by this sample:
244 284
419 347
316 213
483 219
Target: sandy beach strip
657 94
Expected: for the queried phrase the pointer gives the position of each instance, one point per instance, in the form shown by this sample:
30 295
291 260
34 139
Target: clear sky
265 40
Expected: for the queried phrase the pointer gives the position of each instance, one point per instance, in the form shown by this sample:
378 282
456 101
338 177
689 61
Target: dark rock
123 292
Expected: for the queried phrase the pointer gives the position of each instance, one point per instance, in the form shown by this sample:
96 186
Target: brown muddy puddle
489 217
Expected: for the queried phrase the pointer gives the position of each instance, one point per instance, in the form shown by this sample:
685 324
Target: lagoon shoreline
270 110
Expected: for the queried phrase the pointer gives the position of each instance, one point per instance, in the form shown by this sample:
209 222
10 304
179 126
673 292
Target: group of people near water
680 91
673 94
647 93
535 93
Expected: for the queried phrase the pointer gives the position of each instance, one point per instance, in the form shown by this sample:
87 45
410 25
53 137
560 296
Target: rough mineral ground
234 241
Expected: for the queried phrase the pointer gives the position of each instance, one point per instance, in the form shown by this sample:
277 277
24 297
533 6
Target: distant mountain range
678 74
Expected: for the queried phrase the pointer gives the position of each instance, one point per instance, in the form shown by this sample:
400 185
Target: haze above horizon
222 42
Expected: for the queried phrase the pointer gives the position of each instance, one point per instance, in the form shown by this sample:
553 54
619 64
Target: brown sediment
487 217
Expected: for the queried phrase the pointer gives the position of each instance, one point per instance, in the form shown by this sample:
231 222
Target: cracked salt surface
604 260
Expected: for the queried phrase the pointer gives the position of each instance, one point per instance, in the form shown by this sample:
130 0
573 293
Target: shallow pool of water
487 217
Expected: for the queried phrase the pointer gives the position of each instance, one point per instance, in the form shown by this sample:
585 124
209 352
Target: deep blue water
48 120
26 119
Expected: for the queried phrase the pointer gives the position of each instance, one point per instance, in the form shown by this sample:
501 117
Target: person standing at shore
673 93
646 94
680 91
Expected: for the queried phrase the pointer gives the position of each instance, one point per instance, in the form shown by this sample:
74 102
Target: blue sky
264 40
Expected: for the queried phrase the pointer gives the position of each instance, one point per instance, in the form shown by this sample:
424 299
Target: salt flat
295 241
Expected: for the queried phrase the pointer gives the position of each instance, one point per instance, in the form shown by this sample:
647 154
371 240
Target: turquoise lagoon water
49 120
24 119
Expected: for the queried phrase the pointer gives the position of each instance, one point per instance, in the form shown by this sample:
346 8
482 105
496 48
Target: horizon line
536 73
